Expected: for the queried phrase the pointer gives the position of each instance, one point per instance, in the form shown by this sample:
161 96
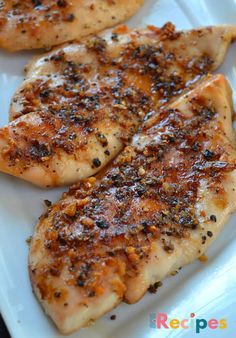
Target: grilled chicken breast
81 103
156 208
32 24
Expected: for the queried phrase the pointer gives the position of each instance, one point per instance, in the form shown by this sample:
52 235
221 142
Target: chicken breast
156 208
119 64
32 24
81 103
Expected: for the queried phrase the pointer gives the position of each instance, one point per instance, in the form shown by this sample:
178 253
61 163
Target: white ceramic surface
208 290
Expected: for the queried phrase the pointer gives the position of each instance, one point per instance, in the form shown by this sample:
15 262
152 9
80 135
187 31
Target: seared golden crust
148 198
32 24
94 95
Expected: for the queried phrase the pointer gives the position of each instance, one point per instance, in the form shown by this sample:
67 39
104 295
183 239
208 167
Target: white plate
208 290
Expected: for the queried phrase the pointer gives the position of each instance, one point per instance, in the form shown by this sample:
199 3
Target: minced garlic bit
203 258
141 171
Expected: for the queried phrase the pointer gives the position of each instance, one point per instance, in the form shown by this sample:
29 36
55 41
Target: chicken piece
156 208
115 68
81 103
33 24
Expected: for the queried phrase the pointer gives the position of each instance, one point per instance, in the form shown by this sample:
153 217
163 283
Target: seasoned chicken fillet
156 208
33 24
119 69
81 103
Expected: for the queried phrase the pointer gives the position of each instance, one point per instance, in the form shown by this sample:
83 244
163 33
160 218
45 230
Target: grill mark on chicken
32 24
145 205
104 86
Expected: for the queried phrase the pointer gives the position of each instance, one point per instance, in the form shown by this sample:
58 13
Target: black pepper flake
70 18
153 288
91 294
213 218
45 94
62 240
102 139
113 317
171 139
57 294
80 282
204 239
96 162
140 190
102 224
188 221
116 178
209 234
208 154
114 37
39 150
37 3
58 57
207 113
47 203
72 136
98 44
61 3
107 152
195 146
88 129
